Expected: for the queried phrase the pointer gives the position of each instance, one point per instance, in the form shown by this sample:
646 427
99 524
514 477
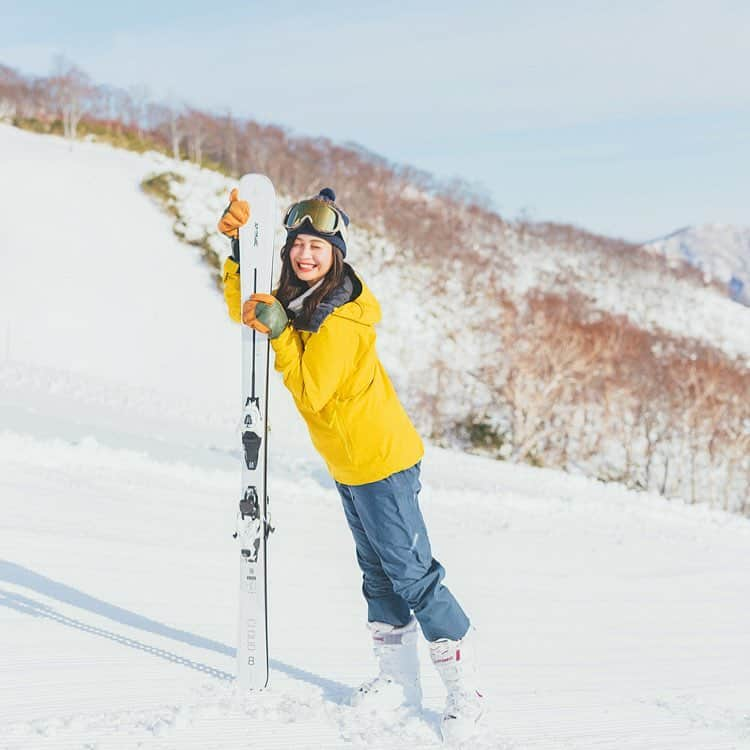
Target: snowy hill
652 295
720 251
606 619
548 345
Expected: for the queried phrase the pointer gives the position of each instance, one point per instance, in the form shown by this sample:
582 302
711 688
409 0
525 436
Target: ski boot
455 662
397 683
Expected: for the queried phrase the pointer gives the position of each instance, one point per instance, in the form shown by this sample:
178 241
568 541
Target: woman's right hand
235 215
266 314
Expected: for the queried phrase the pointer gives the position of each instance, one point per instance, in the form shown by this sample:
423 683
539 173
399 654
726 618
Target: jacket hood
362 306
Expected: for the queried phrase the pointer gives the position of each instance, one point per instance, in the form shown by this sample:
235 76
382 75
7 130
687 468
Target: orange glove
266 314
235 215
248 316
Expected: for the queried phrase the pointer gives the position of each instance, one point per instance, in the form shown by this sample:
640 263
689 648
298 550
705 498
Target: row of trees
387 194
553 383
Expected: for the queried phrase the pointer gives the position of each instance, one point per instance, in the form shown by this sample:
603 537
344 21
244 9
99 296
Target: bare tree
198 126
12 90
139 108
176 130
229 142
166 127
69 89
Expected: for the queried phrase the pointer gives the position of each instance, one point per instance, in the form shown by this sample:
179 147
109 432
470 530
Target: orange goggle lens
321 215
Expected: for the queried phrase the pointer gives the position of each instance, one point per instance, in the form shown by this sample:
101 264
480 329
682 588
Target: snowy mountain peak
720 251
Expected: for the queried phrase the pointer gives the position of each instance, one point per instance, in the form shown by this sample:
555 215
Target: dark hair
290 286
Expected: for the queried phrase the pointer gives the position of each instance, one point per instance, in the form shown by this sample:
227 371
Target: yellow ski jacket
354 416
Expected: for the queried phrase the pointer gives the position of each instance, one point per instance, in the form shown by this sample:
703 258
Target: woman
321 322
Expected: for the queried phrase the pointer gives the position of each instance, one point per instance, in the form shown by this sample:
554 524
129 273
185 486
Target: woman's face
311 258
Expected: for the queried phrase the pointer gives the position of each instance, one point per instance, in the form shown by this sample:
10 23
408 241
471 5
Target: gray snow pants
399 573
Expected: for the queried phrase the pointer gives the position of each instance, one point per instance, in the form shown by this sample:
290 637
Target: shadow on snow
21 576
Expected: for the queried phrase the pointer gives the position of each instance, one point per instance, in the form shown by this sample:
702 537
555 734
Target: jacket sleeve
315 370
232 293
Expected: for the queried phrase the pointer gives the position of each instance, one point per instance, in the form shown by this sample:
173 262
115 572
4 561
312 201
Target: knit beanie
337 240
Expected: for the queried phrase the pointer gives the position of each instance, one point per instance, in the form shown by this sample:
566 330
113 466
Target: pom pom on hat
328 194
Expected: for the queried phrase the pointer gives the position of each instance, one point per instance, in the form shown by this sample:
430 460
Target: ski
253 522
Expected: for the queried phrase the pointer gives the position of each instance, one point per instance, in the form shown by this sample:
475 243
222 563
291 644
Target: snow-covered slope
82 287
605 619
622 281
720 251
651 295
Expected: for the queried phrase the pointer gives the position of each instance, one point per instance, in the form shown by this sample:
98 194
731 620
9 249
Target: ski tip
251 178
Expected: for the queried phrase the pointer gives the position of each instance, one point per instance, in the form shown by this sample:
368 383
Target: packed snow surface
605 619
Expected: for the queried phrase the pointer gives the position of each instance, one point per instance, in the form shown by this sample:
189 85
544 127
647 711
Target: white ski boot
397 683
455 662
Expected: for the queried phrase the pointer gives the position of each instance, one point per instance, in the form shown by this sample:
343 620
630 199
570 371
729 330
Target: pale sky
626 118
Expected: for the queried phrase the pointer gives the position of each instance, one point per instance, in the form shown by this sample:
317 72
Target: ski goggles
323 217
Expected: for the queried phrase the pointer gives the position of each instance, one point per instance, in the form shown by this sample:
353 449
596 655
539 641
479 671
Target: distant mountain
720 251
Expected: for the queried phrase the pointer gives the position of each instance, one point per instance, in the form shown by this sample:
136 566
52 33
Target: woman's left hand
266 314
235 216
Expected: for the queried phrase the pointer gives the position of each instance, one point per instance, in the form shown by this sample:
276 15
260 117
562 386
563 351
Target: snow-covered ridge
720 251
652 296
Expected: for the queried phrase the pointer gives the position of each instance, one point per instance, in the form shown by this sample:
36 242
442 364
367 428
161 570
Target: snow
654 300
721 251
605 618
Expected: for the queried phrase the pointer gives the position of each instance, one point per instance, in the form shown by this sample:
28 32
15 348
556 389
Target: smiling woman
321 322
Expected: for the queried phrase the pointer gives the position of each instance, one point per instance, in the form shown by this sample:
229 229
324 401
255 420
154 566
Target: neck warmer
295 305
342 294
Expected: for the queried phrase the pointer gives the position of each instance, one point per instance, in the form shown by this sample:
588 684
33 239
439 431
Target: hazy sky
628 118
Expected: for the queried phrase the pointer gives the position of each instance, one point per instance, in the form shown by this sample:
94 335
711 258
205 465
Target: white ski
253 526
